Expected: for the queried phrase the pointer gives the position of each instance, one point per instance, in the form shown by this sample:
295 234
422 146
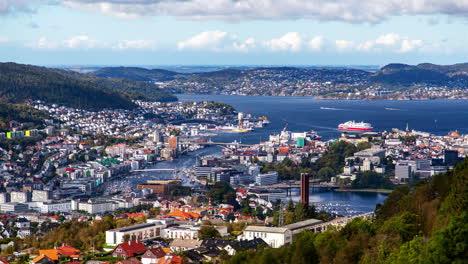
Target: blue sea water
300 114
306 113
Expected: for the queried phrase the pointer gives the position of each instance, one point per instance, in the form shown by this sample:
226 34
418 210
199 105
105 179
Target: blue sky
247 32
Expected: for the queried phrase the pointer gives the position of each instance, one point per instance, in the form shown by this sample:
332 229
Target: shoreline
383 191
333 98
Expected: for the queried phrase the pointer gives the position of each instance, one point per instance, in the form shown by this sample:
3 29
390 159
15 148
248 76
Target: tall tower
240 117
156 136
305 189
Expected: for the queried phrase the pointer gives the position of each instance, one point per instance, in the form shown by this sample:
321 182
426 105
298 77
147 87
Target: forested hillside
135 73
135 88
423 224
20 113
387 83
19 83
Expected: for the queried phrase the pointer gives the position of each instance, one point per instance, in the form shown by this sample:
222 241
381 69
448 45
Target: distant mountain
451 70
325 82
422 74
136 89
19 82
137 74
221 75
265 80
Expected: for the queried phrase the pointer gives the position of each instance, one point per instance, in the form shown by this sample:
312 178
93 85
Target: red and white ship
357 126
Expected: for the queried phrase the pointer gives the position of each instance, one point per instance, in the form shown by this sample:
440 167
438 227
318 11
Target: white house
152 255
23 232
136 232
273 236
56 207
22 222
184 232
178 244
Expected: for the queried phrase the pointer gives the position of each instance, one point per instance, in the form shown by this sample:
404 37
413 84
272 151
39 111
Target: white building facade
274 236
140 232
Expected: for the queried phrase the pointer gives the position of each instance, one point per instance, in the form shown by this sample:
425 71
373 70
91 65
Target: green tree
450 245
300 212
422 223
371 180
326 174
208 231
222 192
363 145
259 213
334 158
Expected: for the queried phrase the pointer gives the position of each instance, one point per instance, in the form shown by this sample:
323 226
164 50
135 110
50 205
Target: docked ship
313 135
265 120
355 126
235 129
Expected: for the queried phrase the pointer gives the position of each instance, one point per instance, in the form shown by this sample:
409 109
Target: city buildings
268 178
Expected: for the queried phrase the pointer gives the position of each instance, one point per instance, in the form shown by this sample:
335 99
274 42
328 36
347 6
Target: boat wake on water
330 108
324 127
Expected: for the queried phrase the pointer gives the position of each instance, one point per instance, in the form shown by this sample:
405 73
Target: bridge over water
217 143
338 222
297 184
143 170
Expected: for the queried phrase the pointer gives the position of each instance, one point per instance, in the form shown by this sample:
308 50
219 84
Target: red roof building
129 261
241 192
153 255
42 259
171 260
181 215
67 250
129 249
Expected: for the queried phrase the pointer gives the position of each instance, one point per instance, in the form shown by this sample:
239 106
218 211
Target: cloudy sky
233 32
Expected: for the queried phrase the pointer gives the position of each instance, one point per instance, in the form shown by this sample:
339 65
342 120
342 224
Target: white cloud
86 42
388 39
135 44
291 41
217 41
245 46
44 43
82 41
408 45
211 40
221 41
391 42
343 10
344 44
366 46
11 6
316 43
4 39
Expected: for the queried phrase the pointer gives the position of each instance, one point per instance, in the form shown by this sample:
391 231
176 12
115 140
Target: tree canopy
426 223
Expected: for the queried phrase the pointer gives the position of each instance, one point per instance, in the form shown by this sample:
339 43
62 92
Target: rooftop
134 227
303 224
266 229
